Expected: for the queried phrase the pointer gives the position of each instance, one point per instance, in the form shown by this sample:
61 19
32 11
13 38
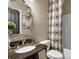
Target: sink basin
25 49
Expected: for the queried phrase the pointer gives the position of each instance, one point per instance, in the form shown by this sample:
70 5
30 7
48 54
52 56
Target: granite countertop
14 55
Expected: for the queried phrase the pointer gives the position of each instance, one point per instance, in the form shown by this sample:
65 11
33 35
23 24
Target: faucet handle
23 41
17 45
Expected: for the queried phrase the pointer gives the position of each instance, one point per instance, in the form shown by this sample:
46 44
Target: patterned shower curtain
55 24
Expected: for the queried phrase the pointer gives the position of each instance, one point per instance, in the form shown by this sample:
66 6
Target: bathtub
67 53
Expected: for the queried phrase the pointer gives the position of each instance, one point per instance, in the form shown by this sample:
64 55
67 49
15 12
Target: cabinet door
42 54
35 56
13 15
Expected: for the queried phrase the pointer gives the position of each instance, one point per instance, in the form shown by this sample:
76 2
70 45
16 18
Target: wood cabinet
38 53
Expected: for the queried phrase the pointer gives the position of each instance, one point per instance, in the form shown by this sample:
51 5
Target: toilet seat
54 54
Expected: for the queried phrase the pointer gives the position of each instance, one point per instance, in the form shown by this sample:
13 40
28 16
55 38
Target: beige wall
67 7
19 5
40 19
40 16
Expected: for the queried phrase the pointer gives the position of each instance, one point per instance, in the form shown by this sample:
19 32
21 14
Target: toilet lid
54 54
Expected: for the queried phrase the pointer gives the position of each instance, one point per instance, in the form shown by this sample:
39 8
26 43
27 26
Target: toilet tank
47 43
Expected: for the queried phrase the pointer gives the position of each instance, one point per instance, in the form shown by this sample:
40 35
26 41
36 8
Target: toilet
52 54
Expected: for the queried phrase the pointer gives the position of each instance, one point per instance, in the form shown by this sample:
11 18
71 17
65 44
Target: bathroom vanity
37 53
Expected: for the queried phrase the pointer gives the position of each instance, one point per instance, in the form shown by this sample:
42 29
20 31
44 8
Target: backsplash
19 40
